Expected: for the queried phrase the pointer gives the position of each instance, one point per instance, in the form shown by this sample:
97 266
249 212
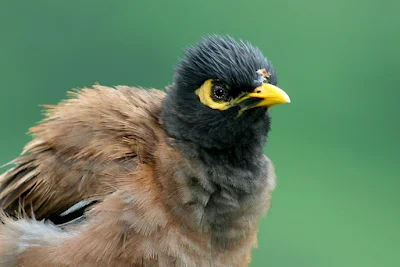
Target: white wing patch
77 206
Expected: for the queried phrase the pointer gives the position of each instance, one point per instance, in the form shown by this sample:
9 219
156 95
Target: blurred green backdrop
335 146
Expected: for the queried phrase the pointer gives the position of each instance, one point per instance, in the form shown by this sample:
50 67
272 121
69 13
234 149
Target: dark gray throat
226 190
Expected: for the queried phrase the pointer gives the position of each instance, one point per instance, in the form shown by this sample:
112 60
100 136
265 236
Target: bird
127 176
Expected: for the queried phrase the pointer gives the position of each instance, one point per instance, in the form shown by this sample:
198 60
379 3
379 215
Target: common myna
131 177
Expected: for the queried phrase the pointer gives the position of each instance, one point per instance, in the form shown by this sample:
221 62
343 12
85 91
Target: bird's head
221 94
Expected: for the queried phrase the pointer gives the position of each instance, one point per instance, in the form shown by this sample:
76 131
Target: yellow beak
268 96
271 95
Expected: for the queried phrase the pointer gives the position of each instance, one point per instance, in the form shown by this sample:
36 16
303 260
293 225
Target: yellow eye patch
204 93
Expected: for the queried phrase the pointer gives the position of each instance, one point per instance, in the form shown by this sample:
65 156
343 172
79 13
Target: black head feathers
217 57
233 62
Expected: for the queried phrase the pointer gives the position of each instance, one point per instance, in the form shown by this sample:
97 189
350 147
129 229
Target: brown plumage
153 202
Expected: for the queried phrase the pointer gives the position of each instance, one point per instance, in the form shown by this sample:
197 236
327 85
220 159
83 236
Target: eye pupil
219 92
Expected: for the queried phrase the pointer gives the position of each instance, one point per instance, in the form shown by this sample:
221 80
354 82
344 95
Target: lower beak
266 95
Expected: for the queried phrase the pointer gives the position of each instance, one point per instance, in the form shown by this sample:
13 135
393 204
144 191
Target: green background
335 146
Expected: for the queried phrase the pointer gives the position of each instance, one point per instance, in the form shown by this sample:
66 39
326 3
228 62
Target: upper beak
267 95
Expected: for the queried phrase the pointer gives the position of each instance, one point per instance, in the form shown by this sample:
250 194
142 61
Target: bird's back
80 148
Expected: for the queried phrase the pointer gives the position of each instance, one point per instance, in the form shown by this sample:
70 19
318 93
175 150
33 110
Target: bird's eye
219 92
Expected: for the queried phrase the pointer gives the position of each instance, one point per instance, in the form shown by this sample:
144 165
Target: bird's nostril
258 91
